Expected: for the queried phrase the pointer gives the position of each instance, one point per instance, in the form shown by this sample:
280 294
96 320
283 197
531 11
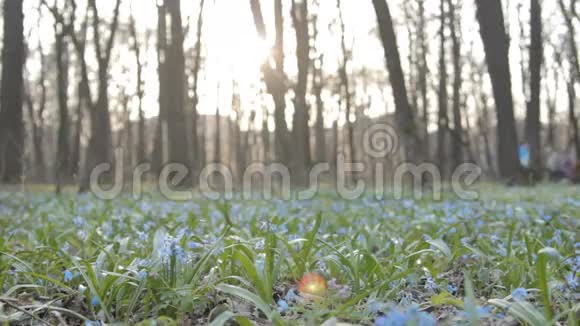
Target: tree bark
63 169
301 133
423 72
405 120
573 45
178 138
345 86
443 119
99 149
140 93
274 77
533 109
159 149
317 86
573 120
457 139
195 144
11 88
495 42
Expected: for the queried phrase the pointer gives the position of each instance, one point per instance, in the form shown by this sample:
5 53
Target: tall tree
195 143
63 169
274 77
345 85
568 13
423 71
11 88
457 135
533 106
551 100
405 117
443 118
36 115
317 86
159 146
178 139
496 47
300 130
140 92
99 149
572 118
81 100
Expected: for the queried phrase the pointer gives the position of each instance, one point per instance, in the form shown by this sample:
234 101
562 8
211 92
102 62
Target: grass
512 256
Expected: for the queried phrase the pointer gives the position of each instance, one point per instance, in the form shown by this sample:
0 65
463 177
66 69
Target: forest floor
511 257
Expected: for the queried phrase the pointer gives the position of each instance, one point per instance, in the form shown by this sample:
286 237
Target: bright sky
232 50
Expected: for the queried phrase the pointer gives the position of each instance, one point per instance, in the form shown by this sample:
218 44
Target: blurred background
291 81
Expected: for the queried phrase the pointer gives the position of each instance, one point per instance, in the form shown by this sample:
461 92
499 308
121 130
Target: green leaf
246 295
470 303
222 318
523 311
544 256
441 246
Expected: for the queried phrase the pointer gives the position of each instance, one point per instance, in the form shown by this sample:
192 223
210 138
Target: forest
289 162
82 79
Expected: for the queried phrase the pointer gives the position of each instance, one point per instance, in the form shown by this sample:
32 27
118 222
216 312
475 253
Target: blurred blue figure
524 155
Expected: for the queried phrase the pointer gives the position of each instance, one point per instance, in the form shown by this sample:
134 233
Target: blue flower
282 306
290 295
94 301
142 274
92 323
78 221
374 306
394 318
520 294
193 245
572 280
451 289
430 284
67 276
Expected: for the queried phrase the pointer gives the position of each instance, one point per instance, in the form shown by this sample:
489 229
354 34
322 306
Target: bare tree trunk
100 142
76 147
485 133
300 130
495 41
573 45
217 157
405 120
36 117
266 136
573 120
239 143
533 110
320 137
63 170
128 131
274 77
443 120
345 85
11 88
158 146
423 71
477 73
457 139
551 98
140 93
83 97
178 138
195 144
317 86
